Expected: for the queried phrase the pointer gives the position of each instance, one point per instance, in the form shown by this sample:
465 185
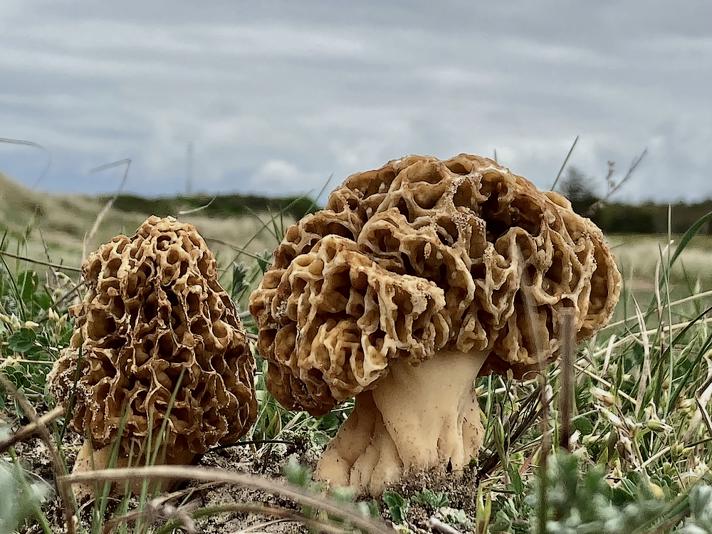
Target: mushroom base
418 418
94 460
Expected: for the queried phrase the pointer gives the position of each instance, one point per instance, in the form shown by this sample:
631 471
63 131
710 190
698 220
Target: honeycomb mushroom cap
155 321
420 256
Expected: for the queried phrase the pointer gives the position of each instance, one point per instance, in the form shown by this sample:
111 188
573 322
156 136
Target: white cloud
281 177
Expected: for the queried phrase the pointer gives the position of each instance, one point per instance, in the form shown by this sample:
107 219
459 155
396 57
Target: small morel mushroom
413 280
155 323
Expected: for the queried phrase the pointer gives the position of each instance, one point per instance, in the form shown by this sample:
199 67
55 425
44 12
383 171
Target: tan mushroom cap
154 314
421 256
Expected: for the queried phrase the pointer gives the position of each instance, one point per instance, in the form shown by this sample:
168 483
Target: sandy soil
269 462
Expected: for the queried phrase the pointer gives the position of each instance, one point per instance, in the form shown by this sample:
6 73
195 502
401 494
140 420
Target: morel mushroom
155 323
414 280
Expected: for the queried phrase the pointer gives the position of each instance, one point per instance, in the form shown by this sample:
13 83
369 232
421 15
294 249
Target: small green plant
433 499
397 505
299 475
302 476
20 497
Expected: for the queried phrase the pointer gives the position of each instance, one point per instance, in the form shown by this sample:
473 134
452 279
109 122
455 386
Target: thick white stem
423 417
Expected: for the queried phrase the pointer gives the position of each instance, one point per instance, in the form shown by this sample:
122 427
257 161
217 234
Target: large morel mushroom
155 323
416 278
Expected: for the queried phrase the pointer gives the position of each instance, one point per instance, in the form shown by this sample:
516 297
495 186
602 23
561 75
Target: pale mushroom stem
423 417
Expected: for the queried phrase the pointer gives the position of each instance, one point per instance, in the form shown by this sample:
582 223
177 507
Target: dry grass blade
645 370
32 144
57 463
12 360
438 526
613 190
544 455
260 509
545 398
100 216
199 208
154 511
289 491
705 415
40 262
257 527
33 428
566 395
563 165
609 352
604 382
704 395
696 297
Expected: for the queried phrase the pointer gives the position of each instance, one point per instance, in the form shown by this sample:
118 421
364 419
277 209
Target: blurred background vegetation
588 199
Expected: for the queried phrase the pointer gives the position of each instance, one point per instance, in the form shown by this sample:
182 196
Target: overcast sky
277 96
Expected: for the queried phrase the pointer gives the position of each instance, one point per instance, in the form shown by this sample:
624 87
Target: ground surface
266 461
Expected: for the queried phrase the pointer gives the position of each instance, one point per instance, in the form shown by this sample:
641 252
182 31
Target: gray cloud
278 95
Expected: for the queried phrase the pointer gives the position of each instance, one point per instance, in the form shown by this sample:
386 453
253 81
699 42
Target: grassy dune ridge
63 222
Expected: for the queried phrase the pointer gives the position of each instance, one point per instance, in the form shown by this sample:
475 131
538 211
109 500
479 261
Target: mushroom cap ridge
424 255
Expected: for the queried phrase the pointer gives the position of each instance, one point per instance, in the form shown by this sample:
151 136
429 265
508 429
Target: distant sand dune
62 222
